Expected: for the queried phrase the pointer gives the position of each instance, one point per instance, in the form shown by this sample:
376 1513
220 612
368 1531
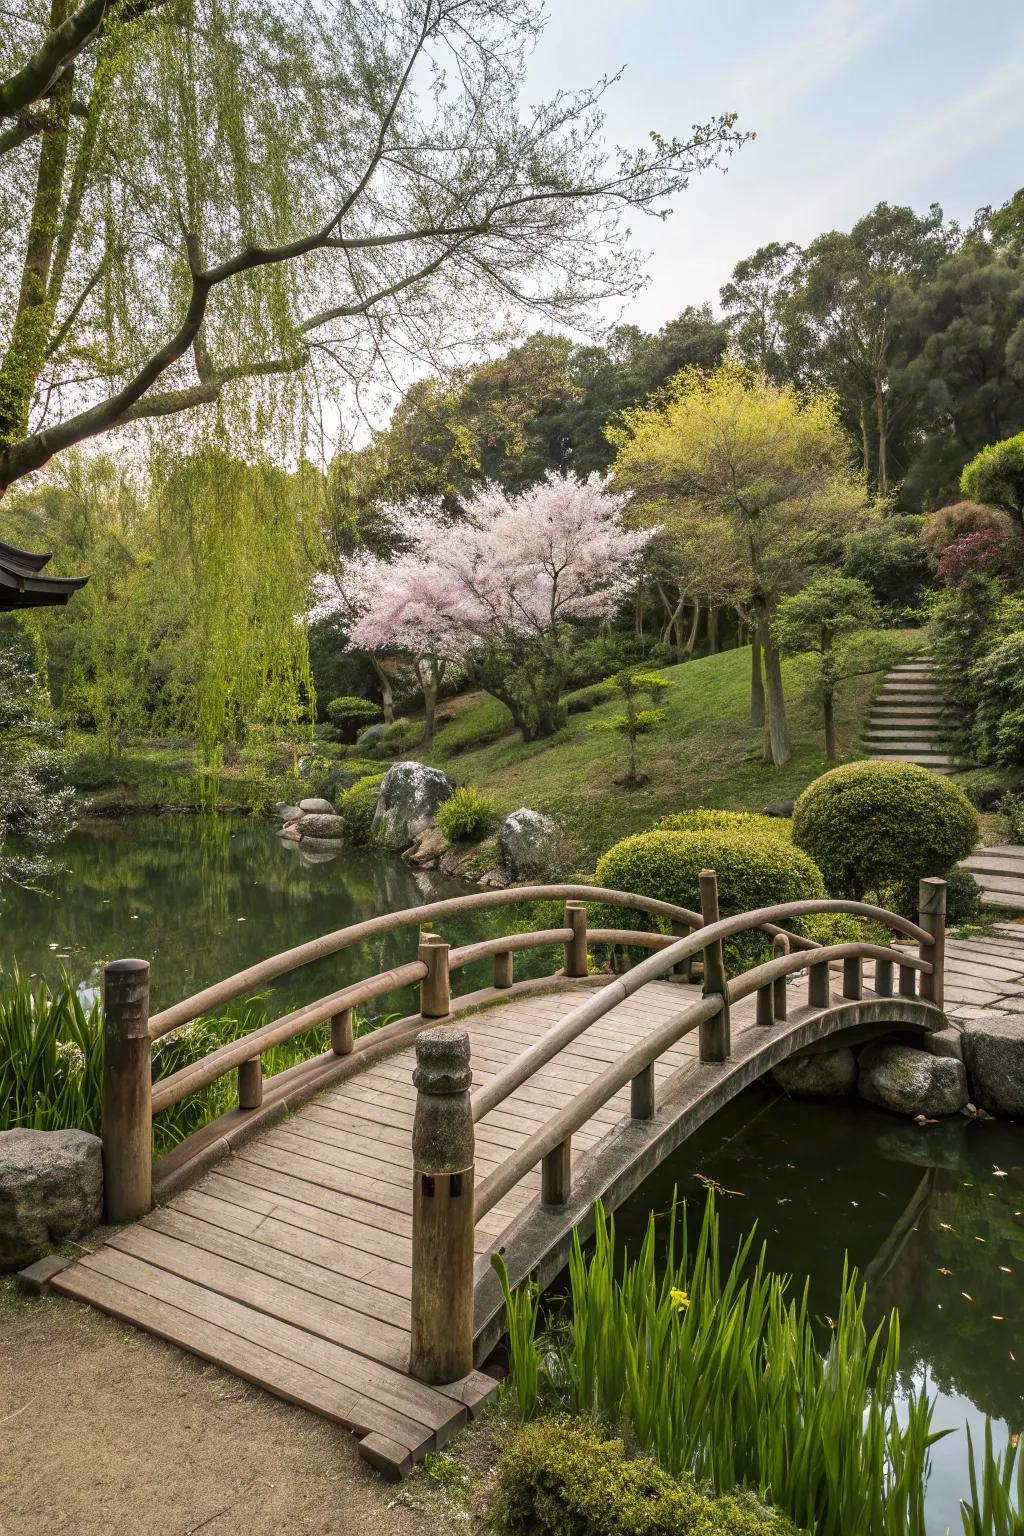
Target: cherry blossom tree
498 590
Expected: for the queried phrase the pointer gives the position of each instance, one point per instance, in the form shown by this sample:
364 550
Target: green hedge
559 1478
725 821
878 827
754 868
357 805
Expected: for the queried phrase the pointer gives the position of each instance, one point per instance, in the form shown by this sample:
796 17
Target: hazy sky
852 101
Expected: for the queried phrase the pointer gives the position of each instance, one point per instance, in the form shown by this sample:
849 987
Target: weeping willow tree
199 195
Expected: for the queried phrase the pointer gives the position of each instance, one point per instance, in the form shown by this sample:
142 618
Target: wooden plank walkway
289 1263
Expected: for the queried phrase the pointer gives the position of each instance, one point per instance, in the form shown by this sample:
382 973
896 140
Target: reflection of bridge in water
330 1239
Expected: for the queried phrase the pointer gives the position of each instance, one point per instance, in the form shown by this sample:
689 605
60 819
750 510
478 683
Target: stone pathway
986 974
1000 873
909 719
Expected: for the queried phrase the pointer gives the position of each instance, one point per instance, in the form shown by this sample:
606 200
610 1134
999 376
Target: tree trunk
756 681
691 639
713 612
776 730
865 446
387 693
829 706
882 418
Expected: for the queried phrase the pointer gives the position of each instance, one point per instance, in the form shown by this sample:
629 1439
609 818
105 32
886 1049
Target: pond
204 897
934 1217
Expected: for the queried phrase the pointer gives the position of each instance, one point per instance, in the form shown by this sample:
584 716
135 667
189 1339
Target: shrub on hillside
944 527
724 821
985 787
877 827
585 699
559 1478
349 714
467 816
754 868
357 805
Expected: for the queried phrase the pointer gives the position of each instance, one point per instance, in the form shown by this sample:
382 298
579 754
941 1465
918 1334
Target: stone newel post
442 1208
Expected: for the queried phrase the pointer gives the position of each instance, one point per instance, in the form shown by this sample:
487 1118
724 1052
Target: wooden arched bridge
330 1238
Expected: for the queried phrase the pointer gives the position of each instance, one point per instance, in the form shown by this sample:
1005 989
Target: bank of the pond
932 1216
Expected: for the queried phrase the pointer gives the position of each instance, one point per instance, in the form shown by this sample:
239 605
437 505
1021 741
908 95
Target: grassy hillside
706 754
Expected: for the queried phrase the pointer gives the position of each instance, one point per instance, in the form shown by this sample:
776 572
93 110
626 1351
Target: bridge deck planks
289 1263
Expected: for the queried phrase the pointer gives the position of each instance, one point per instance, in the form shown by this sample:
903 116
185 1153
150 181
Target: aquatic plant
718 1371
996 1506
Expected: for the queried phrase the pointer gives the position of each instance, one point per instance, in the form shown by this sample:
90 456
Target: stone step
1004 902
911 691
916 711
912 669
935 760
916 746
1004 860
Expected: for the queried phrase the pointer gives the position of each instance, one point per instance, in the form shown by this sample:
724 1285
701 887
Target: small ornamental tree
988 553
996 475
828 619
634 685
498 590
350 714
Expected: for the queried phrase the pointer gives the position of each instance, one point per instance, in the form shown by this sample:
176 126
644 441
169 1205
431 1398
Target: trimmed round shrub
357 805
879 826
349 714
724 821
467 816
754 869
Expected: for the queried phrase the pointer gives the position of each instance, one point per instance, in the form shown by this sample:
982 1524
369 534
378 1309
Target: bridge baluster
250 1083
931 904
883 978
780 946
764 1006
503 968
575 917
908 981
435 988
853 979
682 968
556 1174
342 1036
715 1034
641 1094
818 985
127 1117
443 1156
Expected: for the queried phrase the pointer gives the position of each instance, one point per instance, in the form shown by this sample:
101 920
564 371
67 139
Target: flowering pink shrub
989 552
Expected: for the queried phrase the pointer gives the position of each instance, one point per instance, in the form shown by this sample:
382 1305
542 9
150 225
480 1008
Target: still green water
201 898
934 1217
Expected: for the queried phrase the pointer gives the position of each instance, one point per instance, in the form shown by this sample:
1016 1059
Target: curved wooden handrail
268 970
784 965
486 949
516 1073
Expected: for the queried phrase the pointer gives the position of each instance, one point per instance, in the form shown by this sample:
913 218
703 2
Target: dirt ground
105 1431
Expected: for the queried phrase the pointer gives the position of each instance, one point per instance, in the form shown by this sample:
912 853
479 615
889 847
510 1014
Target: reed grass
51 1059
996 1505
717 1370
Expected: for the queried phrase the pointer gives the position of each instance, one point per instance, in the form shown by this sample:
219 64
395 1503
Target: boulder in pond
993 1046
410 796
321 824
524 838
823 1075
51 1189
316 806
285 812
911 1082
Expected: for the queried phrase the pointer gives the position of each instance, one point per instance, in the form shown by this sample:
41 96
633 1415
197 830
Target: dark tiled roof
22 584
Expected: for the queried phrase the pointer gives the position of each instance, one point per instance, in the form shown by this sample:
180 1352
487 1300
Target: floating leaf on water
978 1239
784 1201
945 1271
966 1297
945 1225
1006 1269
997 1317
855 1203
999 1173
239 919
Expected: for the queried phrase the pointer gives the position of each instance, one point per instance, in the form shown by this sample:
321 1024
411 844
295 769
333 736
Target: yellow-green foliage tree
752 473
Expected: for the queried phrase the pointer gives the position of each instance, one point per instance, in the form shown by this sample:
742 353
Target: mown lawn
706 753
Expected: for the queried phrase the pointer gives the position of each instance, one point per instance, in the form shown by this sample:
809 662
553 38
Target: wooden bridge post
503 971
435 988
250 1083
575 917
931 905
441 1347
342 1034
127 1116
682 968
818 987
853 978
715 1034
883 978
780 997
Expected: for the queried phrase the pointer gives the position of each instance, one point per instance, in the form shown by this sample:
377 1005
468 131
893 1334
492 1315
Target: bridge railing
131 1098
446 1204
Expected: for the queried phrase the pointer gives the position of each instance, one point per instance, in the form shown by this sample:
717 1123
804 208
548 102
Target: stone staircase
909 719
1000 873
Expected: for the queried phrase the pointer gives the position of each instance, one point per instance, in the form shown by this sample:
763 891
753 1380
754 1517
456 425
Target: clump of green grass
996 1505
716 1370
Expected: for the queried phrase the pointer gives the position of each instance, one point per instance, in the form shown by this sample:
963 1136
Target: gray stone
911 1082
994 1056
822 1075
290 833
321 824
320 850
410 795
783 808
371 735
493 880
523 838
927 1146
426 851
945 1042
285 812
316 806
51 1188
